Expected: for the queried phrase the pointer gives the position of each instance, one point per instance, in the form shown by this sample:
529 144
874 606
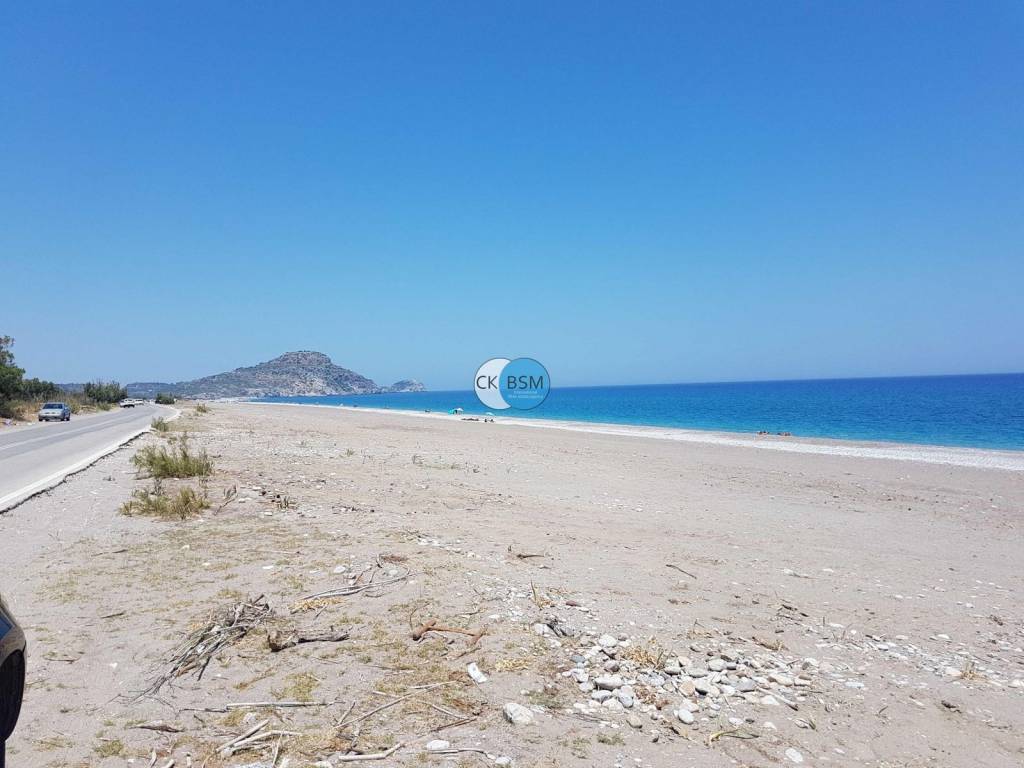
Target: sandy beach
658 599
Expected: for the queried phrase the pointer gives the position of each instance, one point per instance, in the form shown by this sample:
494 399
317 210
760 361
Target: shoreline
977 458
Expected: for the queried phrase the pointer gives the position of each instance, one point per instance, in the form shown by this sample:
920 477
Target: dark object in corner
12 675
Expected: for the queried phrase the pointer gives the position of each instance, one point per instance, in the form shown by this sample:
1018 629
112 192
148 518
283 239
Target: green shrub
173 461
164 398
186 503
202 408
160 424
104 391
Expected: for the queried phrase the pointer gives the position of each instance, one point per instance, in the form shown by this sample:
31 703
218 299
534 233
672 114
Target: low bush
160 424
173 461
186 503
164 398
202 408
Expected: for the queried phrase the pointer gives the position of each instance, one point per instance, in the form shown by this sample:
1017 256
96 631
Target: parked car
55 412
130 402
12 675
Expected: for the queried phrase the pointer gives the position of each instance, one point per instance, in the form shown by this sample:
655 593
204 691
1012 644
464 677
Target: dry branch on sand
431 625
229 625
367 582
278 640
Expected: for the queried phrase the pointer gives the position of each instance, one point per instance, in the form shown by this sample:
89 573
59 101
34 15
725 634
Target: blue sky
632 192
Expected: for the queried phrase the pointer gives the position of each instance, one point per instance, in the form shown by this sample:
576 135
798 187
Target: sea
977 411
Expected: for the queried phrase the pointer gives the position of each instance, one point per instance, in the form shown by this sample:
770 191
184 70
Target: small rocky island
293 373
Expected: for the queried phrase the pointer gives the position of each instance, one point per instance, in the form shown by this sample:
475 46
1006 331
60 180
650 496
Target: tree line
16 392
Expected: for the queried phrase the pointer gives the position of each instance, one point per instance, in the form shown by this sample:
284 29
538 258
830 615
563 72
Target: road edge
20 496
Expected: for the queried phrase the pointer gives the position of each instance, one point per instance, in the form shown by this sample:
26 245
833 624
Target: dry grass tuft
649 654
513 664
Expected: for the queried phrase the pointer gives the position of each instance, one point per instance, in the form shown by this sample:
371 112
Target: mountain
293 373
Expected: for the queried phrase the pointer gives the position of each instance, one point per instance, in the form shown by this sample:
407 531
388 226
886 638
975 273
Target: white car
130 402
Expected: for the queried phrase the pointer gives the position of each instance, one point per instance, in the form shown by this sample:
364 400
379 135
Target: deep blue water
985 411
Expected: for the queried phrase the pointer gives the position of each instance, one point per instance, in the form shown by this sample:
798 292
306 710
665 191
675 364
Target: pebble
781 679
437 745
794 755
685 716
601 696
770 701
579 675
607 641
504 760
696 672
672 667
608 682
634 721
686 687
705 687
746 685
517 714
716 665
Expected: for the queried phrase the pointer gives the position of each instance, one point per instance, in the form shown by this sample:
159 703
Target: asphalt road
40 455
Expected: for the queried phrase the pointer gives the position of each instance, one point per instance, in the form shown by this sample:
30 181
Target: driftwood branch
432 626
279 641
374 756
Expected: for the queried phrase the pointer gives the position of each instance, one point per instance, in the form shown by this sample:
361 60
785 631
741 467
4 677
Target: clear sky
631 192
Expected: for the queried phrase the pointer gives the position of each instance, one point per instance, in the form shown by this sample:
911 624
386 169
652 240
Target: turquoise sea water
985 411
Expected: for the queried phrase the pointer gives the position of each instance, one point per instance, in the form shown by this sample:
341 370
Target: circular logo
522 383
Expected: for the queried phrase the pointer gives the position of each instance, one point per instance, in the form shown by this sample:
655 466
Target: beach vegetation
110 748
177 460
160 424
202 408
164 398
153 502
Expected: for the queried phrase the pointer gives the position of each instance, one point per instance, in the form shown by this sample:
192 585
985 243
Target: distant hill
293 373
406 385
